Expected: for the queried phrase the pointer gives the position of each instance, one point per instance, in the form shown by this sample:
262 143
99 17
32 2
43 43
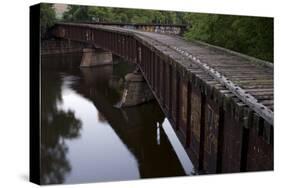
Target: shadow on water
138 129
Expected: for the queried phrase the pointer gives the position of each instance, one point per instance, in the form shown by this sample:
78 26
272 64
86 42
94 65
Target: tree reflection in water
132 138
57 125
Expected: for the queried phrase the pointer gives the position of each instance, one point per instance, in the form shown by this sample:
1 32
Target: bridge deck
253 77
248 78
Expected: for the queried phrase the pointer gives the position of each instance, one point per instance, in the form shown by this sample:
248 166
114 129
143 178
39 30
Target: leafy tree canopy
122 15
249 35
47 17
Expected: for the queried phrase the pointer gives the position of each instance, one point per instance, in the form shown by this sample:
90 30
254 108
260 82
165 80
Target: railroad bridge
219 102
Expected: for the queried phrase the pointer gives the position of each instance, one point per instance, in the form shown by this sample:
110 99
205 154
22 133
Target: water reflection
57 125
86 139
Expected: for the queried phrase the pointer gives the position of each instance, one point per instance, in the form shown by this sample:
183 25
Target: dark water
84 138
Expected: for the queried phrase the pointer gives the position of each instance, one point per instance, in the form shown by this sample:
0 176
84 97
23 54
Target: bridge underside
219 130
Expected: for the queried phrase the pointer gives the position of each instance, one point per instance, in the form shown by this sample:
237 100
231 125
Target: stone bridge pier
136 90
95 57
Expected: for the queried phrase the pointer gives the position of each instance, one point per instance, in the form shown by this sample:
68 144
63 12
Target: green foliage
47 17
121 15
248 35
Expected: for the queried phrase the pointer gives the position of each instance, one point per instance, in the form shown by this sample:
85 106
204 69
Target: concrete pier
136 90
95 57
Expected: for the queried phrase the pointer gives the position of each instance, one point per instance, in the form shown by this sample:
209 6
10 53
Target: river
85 137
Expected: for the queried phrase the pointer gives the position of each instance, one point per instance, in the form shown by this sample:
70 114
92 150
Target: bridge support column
95 57
136 90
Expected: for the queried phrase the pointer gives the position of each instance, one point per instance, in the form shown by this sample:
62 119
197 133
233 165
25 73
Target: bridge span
219 102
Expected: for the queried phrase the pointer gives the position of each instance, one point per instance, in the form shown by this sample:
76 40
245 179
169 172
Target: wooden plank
267 102
262 110
247 87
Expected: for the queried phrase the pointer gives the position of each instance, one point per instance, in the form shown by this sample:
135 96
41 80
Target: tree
47 18
122 15
248 35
